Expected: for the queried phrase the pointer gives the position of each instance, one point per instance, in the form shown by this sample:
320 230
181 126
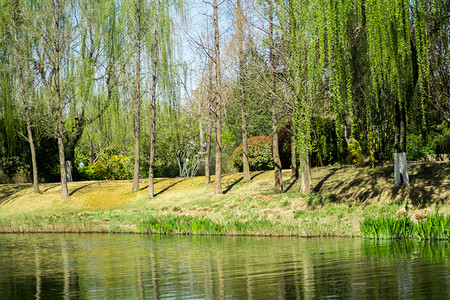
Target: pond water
116 266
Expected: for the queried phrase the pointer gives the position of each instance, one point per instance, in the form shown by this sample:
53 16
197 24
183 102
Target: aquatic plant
435 227
387 227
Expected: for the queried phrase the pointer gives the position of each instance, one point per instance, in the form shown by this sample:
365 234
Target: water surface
102 266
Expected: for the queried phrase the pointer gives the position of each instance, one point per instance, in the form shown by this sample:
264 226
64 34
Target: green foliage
176 224
416 147
115 167
387 227
439 138
166 171
14 170
436 226
86 173
354 151
259 154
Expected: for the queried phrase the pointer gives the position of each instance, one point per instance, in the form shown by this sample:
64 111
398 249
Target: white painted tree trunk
400 169
69 171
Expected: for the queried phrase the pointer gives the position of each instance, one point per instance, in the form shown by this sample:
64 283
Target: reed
386 227
175 224
434 227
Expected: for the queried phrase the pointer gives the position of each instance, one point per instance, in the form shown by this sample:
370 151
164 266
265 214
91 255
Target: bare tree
245 164
153 111
54 32
273 94
210 99
219 105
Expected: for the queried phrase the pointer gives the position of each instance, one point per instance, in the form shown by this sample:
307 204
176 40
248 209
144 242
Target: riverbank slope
343 196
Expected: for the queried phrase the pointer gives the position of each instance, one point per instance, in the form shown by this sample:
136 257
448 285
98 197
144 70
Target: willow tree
319 35
21 58
398 54
160 47
439 39
302 100
137 17
278 185
96 61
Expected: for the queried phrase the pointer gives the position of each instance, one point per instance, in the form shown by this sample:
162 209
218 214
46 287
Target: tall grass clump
434 227
174 224
385 227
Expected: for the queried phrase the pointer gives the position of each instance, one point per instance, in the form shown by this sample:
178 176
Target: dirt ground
430 185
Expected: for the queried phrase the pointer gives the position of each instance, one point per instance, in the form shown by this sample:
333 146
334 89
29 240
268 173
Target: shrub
416 147
354 151
14 170
86 173
166 171
259 154
113 167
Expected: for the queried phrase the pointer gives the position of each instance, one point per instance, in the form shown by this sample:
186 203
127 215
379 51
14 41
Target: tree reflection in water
97 266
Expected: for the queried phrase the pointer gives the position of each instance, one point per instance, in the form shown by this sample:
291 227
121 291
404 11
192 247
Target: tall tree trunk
306 180
276 153
33 154
218 173
400 163
294 166
208 144
62 160
153 117
245 164
59 108
209 123
137 109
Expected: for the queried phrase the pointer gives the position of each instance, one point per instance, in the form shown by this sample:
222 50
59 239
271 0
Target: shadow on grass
291 185
256 174
80 188
170 186
228 188
429 183
156 180
54 185
320 184
7 192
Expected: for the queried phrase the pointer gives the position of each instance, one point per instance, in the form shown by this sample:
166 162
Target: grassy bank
345 196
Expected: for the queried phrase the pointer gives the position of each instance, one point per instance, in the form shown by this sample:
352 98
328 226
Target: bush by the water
436 227
259 154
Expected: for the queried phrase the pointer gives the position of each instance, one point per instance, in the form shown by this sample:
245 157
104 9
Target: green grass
175 224
386 227
434 227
